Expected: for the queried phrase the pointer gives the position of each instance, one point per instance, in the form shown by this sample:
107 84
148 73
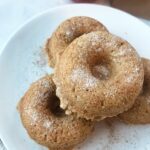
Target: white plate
22 63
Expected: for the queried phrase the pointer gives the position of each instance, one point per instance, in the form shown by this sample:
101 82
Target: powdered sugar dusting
111 92
129 79
40 98
94 38
136 70
123 50
69 33
82 75
134 74
33 115
44 83
47 124
112 42
90 82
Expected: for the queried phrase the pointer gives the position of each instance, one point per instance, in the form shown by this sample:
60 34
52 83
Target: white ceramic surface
21 10
22 62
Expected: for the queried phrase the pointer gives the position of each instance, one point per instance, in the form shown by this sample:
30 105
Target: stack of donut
96 75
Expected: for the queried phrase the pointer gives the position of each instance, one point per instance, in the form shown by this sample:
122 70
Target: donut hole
101 69
54 105
100 65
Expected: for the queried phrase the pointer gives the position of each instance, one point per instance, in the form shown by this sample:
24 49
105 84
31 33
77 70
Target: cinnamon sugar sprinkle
82 75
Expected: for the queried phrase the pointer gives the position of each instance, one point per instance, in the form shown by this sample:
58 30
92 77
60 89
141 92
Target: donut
67 32
140 112
99 75
46 122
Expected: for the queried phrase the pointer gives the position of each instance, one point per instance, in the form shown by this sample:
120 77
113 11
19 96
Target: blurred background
14 13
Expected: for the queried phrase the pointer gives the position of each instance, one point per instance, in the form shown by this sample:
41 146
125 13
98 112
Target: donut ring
140 112
99 75
67 32
46 123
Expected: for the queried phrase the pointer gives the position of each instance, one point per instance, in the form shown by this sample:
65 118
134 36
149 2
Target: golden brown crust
67 32
45 122
140 112
99 75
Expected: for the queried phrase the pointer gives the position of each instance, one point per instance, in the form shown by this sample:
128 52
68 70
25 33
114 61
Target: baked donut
67 32
99 75
140 112
46 122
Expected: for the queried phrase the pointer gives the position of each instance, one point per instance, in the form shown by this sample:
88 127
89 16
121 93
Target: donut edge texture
75 97
140 112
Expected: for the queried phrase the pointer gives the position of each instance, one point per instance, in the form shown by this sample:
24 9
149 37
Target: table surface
19 12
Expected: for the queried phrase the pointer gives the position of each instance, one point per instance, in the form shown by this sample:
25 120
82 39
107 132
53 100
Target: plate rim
42 13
